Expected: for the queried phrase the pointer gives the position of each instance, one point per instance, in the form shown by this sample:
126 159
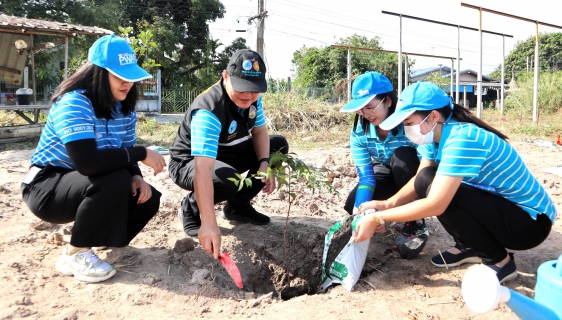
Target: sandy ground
160 278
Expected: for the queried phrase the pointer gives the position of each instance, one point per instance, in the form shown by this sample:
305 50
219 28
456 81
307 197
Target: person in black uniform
223 133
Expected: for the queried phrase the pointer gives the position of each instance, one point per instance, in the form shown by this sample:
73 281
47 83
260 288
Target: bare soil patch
159 277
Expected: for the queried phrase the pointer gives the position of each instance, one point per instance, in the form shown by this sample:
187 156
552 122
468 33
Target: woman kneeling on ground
385 159
84 168
471 179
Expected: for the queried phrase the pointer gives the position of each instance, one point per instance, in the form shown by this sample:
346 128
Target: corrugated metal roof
11 24
423 72
470 71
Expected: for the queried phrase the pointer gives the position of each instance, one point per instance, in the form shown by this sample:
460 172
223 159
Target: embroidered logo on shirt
232 127
253 112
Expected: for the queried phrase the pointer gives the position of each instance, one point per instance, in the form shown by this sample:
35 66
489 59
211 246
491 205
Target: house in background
467 84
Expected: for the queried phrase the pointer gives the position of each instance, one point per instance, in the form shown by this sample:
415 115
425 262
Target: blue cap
365 88
114 54
420 96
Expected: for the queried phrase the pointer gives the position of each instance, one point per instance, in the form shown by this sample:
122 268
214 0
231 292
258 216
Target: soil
339 240
162 274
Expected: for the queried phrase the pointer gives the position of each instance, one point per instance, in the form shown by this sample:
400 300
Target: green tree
183 42
550 55
326 66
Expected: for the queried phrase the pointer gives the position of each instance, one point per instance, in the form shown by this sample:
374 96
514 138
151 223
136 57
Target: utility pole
261 26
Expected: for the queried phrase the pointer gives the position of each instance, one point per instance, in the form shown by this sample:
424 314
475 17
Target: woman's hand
375 204
154 160
366 227
143 188
269 183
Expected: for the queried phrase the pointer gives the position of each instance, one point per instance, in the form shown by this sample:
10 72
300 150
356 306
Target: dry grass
313 123
521 126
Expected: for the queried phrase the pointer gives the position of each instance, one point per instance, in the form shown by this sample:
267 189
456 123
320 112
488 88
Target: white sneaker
85 265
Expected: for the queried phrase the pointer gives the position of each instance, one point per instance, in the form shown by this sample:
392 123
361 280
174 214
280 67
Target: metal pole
479 79
348 75
503 77
452 66
400 60
458 63
406 72
536 84
464 98
261 26
159 88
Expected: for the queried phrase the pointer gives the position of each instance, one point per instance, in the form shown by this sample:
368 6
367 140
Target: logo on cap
127 58
362 92
256 66
247 65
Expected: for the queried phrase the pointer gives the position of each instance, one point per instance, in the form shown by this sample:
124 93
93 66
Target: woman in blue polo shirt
84 168
471 179
385 159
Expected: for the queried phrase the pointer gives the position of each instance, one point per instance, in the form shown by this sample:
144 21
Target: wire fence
178 101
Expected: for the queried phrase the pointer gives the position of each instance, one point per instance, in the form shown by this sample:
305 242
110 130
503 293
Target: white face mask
413 133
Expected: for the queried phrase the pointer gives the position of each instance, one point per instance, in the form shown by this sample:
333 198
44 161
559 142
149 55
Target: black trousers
486 222
404 163
102 207
182 174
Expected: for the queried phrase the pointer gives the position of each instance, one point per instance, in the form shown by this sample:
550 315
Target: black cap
247 71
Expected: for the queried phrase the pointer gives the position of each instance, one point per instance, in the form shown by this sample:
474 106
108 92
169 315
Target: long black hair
462 114
365 123
95 81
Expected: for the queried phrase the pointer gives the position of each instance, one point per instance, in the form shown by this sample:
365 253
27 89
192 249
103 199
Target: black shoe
245 213
412 239
453 260
190 223
414 229
507 272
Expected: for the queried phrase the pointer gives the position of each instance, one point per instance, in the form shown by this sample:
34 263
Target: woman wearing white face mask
385 159
471 179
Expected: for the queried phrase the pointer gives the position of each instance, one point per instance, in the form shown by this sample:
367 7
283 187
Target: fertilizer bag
343 258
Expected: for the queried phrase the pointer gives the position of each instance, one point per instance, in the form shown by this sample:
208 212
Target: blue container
548 290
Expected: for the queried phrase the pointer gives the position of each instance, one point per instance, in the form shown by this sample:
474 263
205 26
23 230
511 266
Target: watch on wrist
262 160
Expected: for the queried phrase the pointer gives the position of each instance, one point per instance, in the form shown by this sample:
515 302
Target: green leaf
248 182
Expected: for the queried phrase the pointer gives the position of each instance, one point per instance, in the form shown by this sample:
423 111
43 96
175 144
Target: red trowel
231 268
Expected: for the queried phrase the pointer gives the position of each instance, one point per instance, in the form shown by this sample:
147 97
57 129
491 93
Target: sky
292 24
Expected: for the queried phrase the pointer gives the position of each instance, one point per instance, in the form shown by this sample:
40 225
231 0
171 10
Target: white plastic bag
346 267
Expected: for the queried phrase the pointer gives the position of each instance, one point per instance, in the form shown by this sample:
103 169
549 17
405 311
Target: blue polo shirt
486 161
72 118
206 128
368 148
